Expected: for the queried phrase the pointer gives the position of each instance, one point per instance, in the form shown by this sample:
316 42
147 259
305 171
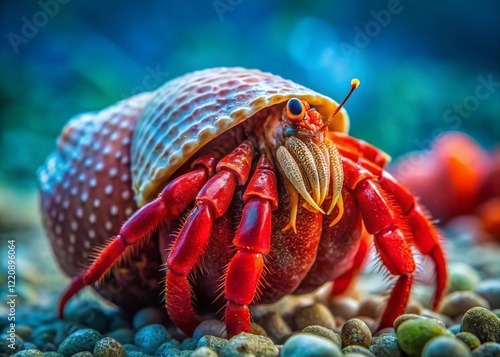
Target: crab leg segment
253 241
211 203
174 199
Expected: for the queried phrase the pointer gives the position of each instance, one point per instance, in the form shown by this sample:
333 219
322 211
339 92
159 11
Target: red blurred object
456 176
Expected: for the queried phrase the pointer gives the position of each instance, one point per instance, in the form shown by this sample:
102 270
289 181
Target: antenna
354 85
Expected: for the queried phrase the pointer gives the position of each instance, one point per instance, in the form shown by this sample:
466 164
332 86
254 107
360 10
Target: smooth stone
462 277
490 290
371 306
404 317
149 316
445 347
248 344
344 307
150 337
308 345
211 327
413 334
122 335
81 340
488 349
276 327
324 332
316 314
459 302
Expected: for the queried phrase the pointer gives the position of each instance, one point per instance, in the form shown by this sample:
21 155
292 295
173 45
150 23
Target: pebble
462 277
371 306
81 340
316 314
150 337
469 339
248 344
203 352
32 352
276 327
117 320
83 354
23 331
414 307
488 349
173 352
4 344
210 327
122 335
413 334
256 329
307 345
404 317
92 317
490 290
29 346
216 344
482 323
357 350
108 347
445 347
386 345
324 332
149 316
459 302
355 332
51 354
344 307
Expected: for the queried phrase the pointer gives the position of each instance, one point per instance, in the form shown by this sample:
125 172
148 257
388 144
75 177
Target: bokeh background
425 68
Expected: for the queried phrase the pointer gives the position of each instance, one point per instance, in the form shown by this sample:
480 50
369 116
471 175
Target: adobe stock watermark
31 26
223 6
363 36
153 79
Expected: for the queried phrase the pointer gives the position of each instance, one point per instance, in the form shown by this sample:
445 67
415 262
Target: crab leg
211 203
392 226
252 241
171 202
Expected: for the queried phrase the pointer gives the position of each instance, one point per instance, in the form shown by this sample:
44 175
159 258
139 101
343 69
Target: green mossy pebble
308 345
488 349
386 345
324 332
109 347
122 335
404 317
246 344
203 352
149 316
462 277
32 352
360 350
51 354
81 340
490 290
469 339
150 337
482 323
445 347
355 332
413 334
214 343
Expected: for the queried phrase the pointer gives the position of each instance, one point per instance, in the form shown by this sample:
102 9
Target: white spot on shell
108 189
72 239
88 162
74 226
118 154
92 218
113 136
113 171
97 203
91 234
128 211
79 212
108 225
58 230
126 195
106 150
65 184
60 217
81 177
93 182
126 140
99 166
125 177
73 191
65 204
84 196
59 242
53 213
58 199
71 249
96 145
114 210
125 160
87 245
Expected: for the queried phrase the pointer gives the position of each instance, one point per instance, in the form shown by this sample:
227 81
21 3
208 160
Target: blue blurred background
425 67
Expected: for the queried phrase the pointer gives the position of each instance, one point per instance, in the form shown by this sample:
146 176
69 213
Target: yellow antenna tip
355 83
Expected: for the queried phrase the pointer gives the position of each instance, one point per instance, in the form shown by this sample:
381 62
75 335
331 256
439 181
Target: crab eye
295 110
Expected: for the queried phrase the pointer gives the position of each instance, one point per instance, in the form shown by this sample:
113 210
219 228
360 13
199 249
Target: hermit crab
224 188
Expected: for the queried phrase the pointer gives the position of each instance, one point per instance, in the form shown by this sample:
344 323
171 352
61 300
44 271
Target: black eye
295 106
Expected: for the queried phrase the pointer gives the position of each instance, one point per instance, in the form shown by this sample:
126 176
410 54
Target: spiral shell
190 111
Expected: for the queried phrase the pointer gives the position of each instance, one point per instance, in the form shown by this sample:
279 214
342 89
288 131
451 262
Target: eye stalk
295 110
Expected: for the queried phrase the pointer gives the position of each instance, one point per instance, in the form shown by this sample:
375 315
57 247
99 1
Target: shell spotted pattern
189 111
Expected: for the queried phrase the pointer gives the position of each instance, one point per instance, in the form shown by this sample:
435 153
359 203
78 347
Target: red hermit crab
249 189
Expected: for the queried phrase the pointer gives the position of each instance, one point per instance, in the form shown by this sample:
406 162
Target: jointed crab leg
171 202
211 202
253 241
